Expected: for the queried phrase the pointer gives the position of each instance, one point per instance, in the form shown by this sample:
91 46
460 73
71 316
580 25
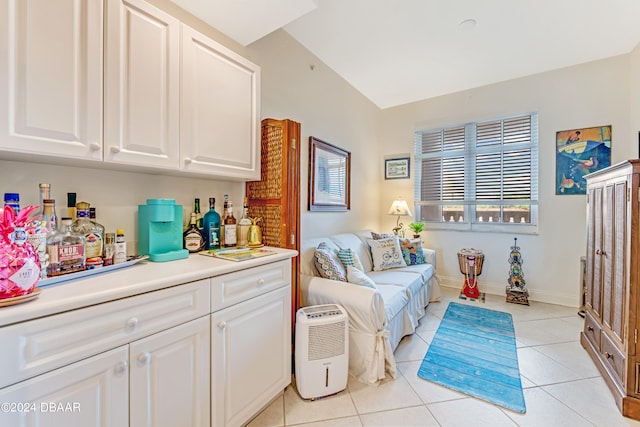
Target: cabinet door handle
95 146
115 149
132 323
590 328
598 252
608 355
121 368
187 160
260 282
143 358
222 325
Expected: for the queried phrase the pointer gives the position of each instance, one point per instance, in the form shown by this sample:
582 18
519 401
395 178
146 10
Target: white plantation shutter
488 163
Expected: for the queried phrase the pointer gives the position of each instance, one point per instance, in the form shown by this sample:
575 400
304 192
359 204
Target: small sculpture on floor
516 289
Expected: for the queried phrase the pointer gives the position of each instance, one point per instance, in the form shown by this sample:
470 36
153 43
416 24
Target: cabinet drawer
613 358
233 288
592 330
33 347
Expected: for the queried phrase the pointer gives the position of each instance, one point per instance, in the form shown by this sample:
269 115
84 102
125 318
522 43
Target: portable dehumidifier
322 350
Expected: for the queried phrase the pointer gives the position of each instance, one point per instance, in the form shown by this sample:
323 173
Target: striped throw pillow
328 264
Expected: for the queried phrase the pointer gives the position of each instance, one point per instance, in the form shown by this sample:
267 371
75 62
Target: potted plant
417 228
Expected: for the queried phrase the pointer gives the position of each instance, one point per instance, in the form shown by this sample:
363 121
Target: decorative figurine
516 290
470 261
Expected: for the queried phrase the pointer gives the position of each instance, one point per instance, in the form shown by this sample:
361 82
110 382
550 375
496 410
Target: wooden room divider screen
276 197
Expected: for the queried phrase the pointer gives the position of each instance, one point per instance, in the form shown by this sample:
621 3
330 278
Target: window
479 176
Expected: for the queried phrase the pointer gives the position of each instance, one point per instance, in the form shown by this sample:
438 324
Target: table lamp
399 208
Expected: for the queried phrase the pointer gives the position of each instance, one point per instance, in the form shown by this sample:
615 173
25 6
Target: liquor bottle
224 216
211 225
71 205
92 232
230 227
243 226
120 250
65 249
196 209
45 193
49 218
13 200
109 248
193 239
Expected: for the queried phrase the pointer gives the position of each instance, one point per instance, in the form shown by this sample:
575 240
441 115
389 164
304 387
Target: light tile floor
562 386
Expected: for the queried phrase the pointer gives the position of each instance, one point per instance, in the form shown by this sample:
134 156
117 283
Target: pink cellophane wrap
19 264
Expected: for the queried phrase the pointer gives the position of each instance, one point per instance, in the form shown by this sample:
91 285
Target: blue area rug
474 352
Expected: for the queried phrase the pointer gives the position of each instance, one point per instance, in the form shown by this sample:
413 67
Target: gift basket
19 260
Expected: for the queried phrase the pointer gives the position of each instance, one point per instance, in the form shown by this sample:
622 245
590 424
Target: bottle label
193 242
214 237
93 245
65 258
230 235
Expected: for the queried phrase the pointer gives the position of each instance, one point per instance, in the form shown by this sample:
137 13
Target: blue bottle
211 226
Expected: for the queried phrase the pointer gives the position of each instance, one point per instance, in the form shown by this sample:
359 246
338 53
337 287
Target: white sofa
378 317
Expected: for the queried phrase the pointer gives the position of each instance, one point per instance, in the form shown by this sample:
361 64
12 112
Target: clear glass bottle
230 237
120 251
109 248
243 226
223 218
45 193
211 225
49 218
192 238
92 232
65 249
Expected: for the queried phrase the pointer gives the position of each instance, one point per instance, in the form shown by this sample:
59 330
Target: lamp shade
399 207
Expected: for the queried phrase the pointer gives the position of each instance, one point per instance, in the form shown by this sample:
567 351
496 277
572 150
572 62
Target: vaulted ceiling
400 51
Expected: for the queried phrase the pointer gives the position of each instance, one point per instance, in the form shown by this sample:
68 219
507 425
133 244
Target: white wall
587 95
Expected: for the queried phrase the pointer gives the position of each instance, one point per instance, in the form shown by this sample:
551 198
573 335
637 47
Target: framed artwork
329 177
397 168
578 153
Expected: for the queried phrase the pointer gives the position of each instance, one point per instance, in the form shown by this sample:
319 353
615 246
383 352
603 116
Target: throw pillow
412 251
378 236
386 253
358 277
327 263
349 257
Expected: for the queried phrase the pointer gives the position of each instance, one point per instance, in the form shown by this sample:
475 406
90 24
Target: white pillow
386 253
358 277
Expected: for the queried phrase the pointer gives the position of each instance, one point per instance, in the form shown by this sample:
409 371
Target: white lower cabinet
250 356
208 353
169 377
92 392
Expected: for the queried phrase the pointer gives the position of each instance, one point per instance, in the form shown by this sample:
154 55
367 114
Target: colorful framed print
580 152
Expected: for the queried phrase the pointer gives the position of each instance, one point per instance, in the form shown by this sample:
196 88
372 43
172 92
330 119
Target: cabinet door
613 254
593 300
92 392
141 85
170 377
51 74
220 117
250 356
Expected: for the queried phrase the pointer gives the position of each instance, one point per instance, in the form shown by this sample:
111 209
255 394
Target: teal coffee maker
160 230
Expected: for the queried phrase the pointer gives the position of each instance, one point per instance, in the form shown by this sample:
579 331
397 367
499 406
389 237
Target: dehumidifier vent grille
326 341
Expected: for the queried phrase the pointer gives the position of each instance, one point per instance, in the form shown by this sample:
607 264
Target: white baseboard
495 289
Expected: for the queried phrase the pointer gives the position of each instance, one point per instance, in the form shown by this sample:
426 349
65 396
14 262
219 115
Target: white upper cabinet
142 78
51 78
220 115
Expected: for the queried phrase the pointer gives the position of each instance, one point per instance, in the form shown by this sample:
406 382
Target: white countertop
145 276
